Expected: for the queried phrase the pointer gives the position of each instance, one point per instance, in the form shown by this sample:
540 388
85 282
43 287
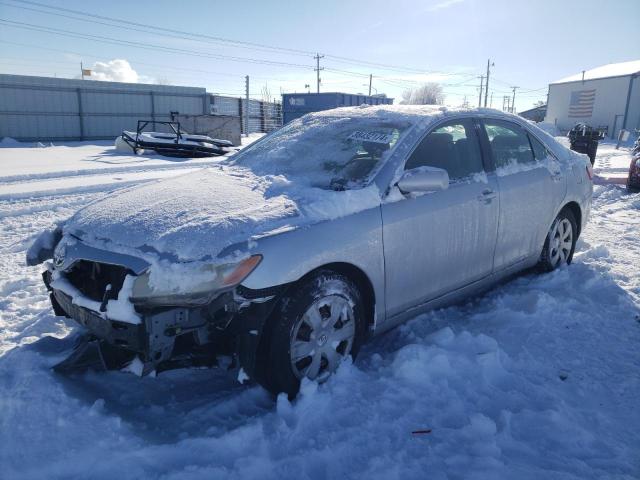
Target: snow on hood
197 216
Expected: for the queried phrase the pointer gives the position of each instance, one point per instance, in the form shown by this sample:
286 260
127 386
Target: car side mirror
424 179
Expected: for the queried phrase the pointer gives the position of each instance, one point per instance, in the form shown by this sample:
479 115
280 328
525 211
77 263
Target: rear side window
539 150
453 147
509 143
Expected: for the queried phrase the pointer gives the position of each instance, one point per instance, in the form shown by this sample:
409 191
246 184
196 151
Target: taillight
590 172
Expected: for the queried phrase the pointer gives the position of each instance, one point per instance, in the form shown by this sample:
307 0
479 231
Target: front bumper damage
231 324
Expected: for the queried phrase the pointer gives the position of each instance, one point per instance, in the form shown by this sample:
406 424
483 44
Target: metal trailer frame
205 146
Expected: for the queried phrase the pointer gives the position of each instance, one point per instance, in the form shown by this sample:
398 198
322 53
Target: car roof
409 112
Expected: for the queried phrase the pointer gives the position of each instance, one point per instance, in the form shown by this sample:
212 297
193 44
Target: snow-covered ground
539 378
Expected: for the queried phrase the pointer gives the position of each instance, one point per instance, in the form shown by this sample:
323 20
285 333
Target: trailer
176 143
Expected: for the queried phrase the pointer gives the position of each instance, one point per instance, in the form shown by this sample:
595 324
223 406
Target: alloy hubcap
560 242
322 338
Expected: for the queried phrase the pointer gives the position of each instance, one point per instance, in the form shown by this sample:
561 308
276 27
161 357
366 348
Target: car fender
355 239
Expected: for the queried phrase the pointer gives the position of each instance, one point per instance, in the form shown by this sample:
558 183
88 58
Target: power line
164 29
210 38
161 48
148 46
144 29
137 62
153 29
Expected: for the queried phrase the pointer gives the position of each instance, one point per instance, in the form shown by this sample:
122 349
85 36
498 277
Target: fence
263 116
44 108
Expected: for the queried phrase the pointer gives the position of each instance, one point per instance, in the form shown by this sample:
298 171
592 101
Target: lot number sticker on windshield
375 137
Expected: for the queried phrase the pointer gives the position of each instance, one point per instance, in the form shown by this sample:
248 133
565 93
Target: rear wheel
560 243
313 331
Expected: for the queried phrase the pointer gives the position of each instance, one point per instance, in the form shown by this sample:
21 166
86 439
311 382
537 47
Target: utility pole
81 71
317 69
505 103
246 108
491 100
481 77
513 102
486 84
370 79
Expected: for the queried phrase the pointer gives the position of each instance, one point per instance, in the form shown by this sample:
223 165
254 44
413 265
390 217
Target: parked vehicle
341 225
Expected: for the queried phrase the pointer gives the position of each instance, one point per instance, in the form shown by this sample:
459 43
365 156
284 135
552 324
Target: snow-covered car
341 225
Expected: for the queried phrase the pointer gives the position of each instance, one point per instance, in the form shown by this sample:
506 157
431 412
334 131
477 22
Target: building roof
605 71
534 109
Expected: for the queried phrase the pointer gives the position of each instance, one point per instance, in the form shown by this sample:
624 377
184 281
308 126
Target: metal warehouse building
295 105
607 96
34 108
46 108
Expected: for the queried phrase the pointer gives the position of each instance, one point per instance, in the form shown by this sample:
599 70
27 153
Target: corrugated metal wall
44 108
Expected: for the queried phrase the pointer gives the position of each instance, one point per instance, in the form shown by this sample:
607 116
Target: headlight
203 284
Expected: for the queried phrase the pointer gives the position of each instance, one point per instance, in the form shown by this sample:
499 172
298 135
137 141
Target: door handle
486 196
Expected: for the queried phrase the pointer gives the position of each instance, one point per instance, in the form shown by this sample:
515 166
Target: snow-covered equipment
584 139
177 143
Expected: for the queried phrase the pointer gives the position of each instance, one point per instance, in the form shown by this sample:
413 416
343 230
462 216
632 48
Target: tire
557 251
301 325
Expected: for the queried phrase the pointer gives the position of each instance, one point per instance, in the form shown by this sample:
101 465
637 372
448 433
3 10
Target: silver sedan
289 255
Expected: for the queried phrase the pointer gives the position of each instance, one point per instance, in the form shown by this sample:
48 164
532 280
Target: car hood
214 212
190 217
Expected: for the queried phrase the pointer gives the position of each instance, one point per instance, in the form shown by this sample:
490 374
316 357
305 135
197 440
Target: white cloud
117 70
442 5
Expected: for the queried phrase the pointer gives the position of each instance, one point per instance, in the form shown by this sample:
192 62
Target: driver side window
453 147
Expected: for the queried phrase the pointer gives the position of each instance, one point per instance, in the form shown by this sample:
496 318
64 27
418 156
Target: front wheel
560 243
313 330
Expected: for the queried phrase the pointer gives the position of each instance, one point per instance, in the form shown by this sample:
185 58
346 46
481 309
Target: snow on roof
404 112
605 71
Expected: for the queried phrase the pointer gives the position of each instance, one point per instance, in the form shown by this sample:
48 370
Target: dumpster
296 105
584 139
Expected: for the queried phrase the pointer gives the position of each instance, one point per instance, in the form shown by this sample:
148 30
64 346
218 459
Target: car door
555 168
439 241
527 193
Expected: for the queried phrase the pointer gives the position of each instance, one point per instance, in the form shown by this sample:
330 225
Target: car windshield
336 153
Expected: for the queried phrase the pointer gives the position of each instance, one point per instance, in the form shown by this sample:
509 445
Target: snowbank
537 379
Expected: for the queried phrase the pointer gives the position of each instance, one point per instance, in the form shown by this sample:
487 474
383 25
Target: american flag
581 104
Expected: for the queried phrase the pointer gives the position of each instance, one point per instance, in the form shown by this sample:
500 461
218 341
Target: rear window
539 149
509 143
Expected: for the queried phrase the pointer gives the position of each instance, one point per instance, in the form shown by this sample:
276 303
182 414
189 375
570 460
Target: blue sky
449 41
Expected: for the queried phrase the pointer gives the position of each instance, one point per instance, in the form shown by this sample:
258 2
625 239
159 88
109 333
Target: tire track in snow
62 174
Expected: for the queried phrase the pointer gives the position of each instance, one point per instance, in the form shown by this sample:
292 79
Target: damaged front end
128 318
